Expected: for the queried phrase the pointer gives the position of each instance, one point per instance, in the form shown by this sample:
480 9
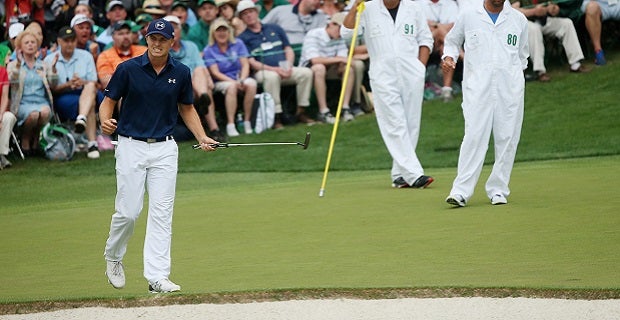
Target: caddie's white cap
244 5
15 29
173 19
80 18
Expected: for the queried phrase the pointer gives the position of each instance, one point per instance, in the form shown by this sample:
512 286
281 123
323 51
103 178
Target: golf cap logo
159 25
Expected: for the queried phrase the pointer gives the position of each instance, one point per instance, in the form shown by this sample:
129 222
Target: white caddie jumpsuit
493 93
397 78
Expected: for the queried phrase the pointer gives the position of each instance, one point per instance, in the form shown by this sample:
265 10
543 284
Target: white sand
343 309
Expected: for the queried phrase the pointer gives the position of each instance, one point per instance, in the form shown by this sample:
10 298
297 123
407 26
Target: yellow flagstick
360 9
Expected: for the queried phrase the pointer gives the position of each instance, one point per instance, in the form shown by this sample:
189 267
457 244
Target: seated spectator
227 10
187 53
325 52
88 12
37 29
75 96
265 6
441 15
597 11
122 50
115 12
199 33
31 96
296 20
272 59
7 47
83 27
181 11
543 20
227 60
143 20
7 119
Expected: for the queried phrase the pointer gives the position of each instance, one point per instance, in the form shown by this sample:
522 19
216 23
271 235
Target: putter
304 145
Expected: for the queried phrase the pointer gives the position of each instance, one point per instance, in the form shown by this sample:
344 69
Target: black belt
151 140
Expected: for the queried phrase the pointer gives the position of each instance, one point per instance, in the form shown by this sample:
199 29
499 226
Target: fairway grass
239 232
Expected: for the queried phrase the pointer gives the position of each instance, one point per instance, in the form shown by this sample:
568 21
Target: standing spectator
227 60
89 13
494 38
543 21
272 61
325 52
122 50
115 12
181 11
399 45
147 155
152 7
441 15
75 96
31 96
64 10
7 119
227 11
296 20
597 11
199 33
83 27
188 54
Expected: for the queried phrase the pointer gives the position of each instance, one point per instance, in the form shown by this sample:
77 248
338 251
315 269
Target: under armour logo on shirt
170 80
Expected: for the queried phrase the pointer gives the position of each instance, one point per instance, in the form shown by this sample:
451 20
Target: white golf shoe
498 199
163 285
115 273
456 200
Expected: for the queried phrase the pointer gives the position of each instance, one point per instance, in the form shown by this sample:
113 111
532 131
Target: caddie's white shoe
163 285
115 273
498 199
456 200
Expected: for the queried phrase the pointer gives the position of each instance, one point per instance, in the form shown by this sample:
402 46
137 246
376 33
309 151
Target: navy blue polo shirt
149 107
272 34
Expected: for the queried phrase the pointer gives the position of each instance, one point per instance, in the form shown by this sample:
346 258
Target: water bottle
239 122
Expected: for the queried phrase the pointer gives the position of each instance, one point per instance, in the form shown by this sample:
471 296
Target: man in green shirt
199 33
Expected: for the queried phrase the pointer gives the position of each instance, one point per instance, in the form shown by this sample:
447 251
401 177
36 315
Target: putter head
307 141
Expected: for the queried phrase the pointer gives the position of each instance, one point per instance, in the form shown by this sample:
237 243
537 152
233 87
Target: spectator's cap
151 7
123 24
144 17
244 5
218 23
201 2
81 18
15 29
179 4
66 33
113 4
232 3
161 26
337 18
173 19
134 26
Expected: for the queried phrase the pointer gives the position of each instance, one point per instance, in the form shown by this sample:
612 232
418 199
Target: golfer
399 43
494 37
154 88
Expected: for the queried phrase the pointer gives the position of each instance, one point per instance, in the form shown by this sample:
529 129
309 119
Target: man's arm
192 121
108 124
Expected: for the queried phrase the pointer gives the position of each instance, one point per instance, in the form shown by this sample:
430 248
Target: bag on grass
57 142
263 112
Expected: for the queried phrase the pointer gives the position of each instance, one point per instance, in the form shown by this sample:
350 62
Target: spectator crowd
58 56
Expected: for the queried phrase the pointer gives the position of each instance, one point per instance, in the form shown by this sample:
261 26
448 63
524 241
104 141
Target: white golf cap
244 5
81 18
15 29
173 19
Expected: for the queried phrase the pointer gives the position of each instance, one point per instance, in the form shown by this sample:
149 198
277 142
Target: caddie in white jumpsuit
399 42
154 89
496 54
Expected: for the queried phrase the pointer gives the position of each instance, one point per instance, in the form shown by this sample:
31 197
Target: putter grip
214 145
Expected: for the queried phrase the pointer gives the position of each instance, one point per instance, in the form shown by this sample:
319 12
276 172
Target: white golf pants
141 167
8 121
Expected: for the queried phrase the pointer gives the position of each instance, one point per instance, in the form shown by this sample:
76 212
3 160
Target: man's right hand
108 127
